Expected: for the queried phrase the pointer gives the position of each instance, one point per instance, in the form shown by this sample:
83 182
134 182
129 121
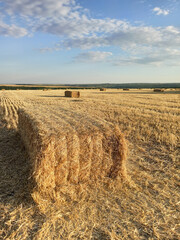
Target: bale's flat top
56 119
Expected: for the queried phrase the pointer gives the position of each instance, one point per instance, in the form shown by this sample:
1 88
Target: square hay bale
61 160
103 89
73 94
158 90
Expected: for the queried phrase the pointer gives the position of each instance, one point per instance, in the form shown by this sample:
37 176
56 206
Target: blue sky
89 41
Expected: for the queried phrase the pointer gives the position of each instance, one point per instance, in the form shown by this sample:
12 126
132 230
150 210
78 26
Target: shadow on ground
51 96
16 204
61 97
14 165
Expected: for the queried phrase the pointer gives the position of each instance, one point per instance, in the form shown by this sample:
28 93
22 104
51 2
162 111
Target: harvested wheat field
103 166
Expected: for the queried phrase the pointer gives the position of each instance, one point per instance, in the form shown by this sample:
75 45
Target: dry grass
144 207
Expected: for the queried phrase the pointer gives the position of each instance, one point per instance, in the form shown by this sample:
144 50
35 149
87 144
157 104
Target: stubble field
144 205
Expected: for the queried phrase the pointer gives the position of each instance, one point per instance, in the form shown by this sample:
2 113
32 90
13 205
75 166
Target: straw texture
71 155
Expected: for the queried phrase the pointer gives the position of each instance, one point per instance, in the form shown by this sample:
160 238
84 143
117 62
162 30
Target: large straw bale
73 94
158 90
71 154
46 89
103 89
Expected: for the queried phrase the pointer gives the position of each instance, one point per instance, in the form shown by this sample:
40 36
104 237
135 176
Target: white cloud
58 17
129 38
159 11
12 30
92 56
39 8
157 57
48 49
79 27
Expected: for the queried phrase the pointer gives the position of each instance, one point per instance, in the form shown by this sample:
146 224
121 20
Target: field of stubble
144 206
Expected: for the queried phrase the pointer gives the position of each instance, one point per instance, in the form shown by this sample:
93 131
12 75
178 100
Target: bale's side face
158 90
73 94
73 157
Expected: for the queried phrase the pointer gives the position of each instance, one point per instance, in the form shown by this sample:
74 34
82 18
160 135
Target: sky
89 41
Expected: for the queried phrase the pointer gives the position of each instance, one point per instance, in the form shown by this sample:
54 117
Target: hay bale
125 89
158 90
73 94
103 89
70 156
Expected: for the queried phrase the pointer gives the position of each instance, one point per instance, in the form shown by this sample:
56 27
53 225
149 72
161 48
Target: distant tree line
91 86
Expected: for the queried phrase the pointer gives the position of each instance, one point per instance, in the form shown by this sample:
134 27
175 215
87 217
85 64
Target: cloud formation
130 38
167 56
159 11
12 30
69 21
80 27
92 56
61 18
39 8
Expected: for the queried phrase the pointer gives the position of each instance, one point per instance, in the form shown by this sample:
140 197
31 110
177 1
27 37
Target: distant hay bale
158 90
70 156
3 89
125 89
103 89
73 94
45 89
